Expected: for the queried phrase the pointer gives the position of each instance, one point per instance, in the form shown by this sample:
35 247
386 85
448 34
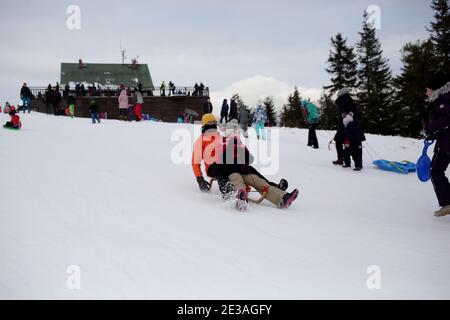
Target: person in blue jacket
312 121
260 119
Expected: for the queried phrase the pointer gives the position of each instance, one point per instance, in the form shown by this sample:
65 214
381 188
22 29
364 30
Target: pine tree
328 112
374 79
270 111
440 32
342 65
291 115
241 105
410 105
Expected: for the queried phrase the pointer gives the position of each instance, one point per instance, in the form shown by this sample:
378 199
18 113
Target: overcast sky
256 47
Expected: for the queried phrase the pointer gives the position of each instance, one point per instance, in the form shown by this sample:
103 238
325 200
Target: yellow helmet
207 118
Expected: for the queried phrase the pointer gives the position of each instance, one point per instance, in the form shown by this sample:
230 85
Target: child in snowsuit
260 119
14 123
352 143
93 108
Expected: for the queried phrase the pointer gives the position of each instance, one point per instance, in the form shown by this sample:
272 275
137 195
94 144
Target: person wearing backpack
312 121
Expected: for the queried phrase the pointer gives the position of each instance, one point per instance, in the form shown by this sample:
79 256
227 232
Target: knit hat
438 80
348 118
208 118
342 92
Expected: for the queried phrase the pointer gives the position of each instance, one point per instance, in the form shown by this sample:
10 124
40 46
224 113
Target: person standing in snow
93 108
71 102
233 110
48 100
345 105
352 142
438 92
224 111
243 121
123 103
207 106
259 119
56 99
26 96
138 101
312 121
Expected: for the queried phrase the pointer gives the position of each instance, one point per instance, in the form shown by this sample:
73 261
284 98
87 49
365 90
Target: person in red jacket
15 121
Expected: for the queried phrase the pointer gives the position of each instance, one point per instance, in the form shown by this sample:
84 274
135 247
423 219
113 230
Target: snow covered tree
342 65
270 111
374 79
291 114
440 32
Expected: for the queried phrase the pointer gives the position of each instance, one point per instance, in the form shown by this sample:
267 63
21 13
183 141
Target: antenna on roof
122 52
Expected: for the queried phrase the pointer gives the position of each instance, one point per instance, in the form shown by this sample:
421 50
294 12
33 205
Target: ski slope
109 199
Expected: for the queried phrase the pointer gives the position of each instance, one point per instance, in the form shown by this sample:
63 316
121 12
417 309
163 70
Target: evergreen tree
241 105
440 32
270 111
342 65
328 112
410 100
291 115
374 79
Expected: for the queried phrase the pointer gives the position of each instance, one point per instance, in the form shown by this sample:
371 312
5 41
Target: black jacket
353 133
224 110
346 104
93 108
25 92
233 110
207 107
439 127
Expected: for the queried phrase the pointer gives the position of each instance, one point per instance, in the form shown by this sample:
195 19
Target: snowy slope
109 199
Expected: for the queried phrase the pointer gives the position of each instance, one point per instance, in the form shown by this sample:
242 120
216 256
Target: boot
283 184
288 199
338 162
442 212
241 200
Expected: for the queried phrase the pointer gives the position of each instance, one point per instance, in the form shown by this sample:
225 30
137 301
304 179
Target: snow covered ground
109 199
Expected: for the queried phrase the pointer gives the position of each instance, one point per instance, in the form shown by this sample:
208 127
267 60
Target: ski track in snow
109 199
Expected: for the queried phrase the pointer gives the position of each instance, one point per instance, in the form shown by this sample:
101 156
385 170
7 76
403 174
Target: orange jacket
205 150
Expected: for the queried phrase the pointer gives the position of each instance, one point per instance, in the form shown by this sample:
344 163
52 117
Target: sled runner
248 189
424 163
403 167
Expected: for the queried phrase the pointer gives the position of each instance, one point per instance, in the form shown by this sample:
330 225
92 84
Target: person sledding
236 160
14 123
206 150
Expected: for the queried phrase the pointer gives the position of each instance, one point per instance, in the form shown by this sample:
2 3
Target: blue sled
424 163
403 167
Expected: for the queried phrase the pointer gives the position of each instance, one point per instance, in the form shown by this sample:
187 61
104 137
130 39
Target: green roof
106 74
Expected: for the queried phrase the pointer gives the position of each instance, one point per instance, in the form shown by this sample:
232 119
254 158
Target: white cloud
257 88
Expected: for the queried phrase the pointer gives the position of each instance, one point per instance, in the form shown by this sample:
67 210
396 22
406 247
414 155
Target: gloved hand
203 185
347 143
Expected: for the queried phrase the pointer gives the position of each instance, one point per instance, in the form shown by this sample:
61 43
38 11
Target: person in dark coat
56 99
345 105
208 107
243 121
233 110
26 96
48 97
224 111
438 91
352 142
